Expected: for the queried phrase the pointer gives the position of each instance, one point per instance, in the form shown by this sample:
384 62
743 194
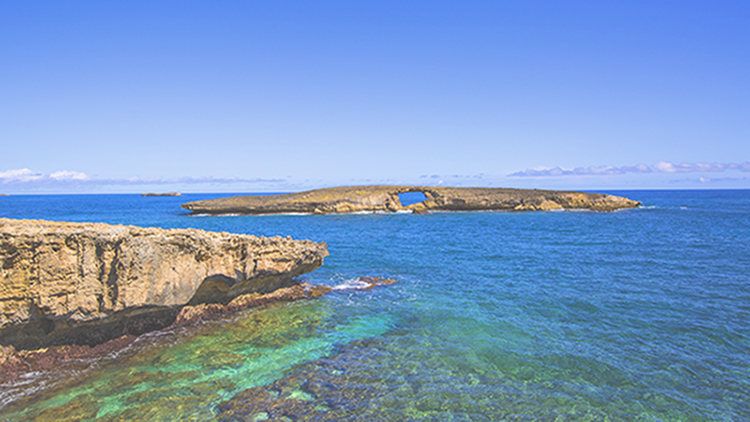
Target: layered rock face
385 199
64 279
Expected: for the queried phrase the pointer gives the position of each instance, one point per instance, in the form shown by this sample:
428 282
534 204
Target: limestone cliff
385 199
62 279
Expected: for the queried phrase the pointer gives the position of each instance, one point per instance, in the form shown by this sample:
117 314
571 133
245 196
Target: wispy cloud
69 175
187 180
660 167
667 167
30 177
712 180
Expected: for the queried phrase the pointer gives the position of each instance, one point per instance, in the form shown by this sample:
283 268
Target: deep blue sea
639 314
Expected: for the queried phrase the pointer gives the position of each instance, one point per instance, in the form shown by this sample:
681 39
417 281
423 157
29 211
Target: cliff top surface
32 227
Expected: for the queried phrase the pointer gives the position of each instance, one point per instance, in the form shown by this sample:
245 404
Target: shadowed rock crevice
45 332
221 289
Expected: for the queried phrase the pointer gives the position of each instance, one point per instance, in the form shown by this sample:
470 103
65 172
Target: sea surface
640 314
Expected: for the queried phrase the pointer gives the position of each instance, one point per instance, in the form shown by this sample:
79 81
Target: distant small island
385 198
162 194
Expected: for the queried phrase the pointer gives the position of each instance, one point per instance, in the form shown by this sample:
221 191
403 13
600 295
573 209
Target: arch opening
411 198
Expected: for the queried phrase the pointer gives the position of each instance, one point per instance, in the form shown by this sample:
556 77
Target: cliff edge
86 283
384 198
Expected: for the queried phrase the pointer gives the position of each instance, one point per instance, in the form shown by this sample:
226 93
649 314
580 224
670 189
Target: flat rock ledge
88 283
384 198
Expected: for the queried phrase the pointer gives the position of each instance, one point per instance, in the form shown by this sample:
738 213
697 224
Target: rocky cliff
87 283
385 199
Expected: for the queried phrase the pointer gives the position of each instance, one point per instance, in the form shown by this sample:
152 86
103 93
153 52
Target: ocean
639 314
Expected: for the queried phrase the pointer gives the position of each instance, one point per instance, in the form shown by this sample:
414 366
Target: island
88 283
385 198
162 194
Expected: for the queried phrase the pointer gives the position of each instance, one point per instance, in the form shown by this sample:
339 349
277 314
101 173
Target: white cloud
20 175
25 176
69 175
660 167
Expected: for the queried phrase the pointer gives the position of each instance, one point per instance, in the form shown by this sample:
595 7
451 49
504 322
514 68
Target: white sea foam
353 284
214 215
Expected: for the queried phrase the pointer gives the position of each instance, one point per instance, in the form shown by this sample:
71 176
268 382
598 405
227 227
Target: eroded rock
72 280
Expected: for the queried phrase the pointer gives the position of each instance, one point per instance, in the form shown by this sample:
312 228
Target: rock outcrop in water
162 194
86 283
385 199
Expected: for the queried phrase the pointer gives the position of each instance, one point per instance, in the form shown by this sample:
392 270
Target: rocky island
385 198
162 194
87 283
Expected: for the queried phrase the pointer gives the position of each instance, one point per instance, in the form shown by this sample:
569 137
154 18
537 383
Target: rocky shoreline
14 363
384 198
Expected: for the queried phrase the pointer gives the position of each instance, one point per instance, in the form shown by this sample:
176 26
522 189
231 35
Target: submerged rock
15 363
385 198
86 283
371 282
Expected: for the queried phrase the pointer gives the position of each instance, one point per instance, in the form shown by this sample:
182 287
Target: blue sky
246 96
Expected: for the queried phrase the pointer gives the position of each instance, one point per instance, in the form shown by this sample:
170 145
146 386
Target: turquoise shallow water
639 314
